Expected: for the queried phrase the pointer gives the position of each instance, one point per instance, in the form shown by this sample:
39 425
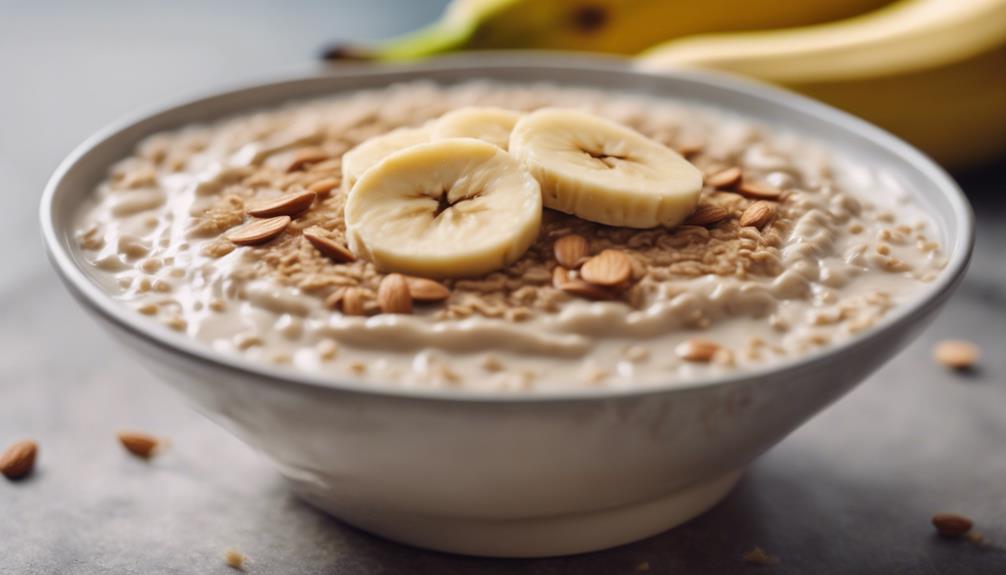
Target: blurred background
852 492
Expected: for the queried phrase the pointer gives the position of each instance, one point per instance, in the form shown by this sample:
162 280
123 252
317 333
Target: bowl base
533 536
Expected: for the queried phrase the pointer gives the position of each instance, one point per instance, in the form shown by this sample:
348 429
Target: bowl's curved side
515 479
78 174
491 474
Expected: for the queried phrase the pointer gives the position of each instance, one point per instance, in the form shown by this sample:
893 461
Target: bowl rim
90 294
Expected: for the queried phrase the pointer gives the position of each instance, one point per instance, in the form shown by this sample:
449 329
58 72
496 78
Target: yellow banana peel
931 71
613 26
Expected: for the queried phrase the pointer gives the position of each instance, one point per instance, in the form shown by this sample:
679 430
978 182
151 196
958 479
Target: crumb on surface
235 559
643 567
758 556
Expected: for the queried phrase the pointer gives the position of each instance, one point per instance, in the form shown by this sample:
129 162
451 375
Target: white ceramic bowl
505 474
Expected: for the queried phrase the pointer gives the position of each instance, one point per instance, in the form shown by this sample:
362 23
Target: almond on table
951 524
957 354
140 444
18 460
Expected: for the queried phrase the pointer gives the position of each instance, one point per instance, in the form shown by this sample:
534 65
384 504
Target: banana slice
492 125
603 171
368 153
452 208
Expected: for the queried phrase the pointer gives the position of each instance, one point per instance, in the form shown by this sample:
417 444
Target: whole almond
138 443
957 354
570 251
258 231
353 302
951 524
325 186
427 290
306 156
19 459
328 246
697 350
757 214
723 179
608 268
393 294
287 205
706 214
759 191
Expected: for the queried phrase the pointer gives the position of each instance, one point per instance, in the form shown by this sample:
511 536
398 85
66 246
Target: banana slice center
450 208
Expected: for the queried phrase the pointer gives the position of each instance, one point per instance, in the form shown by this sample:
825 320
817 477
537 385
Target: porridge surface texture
791 249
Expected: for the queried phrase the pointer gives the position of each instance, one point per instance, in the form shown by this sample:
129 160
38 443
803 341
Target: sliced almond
697 350
759 191
957 354
138 443
608 268
287 205
561 280
580 288
325 186
328 246
306 156
758 214
393 294
427 290
560 276
951 524
258 231
724 179
353 302
689 149
571 251
706 214
19 459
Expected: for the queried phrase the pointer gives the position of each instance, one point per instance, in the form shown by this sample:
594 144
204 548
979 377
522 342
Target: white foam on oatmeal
836 258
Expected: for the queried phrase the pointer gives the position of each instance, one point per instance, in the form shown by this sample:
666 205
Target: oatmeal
763 246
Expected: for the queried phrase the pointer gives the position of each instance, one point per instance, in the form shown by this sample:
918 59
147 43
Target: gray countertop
850 492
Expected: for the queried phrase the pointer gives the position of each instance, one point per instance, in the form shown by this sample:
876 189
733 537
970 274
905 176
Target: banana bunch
448 199
931 71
